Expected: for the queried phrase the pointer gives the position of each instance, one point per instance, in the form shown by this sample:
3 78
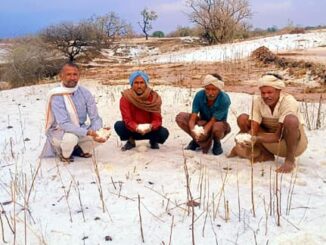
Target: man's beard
211 97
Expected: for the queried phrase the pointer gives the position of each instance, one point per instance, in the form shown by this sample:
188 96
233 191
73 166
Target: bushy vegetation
74 39
220 21
184 31
158 34
29 61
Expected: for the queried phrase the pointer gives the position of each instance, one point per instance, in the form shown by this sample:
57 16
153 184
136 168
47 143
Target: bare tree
112 26
219 20
148 17
72 39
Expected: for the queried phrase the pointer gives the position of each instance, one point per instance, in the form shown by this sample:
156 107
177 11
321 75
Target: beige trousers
280 149
68 142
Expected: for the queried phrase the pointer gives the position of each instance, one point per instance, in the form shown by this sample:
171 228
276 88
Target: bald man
69 107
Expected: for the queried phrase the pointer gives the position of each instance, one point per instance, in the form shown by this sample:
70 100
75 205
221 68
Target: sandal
66 160
79 152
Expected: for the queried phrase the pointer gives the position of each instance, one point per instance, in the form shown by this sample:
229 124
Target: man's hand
201 137
144 131
250 143
198 133
149 129
99 139
91 133
95 136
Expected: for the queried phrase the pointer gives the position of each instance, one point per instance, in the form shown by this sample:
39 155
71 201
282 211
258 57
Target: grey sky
19 17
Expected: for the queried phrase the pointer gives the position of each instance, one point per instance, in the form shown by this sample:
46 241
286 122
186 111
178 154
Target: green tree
158 34
272 29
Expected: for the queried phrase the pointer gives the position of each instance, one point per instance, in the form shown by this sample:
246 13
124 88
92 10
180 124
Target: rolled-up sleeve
291 107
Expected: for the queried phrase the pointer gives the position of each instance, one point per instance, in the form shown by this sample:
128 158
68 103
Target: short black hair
218 76
278 76
71 64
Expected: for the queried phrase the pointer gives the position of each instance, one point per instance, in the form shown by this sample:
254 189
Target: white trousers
69 141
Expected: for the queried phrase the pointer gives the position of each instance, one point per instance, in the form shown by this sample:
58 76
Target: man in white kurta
276 122
68 108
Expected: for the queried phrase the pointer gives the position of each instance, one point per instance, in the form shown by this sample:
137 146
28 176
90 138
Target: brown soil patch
180 74
316 55
296 68
238 76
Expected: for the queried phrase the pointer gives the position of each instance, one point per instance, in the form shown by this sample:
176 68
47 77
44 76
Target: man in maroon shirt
140 108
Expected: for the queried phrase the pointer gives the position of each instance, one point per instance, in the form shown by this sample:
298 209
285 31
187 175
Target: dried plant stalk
252 163
140 221
171 229
98 181
190 199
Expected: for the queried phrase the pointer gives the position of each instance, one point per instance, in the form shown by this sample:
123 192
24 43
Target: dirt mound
296 68
264 55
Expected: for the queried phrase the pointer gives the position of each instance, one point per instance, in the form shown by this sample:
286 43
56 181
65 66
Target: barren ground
239 76
317 55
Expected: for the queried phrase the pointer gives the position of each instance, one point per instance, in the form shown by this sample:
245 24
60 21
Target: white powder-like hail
104 133
143 126
243 137
198 130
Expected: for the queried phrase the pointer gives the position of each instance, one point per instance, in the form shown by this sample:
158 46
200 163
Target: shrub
184 32
297 30
158 34
29 61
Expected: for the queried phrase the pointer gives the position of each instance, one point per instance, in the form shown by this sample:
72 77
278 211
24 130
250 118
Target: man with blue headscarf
140 108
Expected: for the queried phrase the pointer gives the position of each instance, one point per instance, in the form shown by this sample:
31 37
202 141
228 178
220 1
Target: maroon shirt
132 115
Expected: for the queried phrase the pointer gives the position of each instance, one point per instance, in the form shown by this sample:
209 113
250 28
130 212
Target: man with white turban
207 121
276 124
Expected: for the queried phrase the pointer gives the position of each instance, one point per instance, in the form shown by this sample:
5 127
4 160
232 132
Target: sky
21 17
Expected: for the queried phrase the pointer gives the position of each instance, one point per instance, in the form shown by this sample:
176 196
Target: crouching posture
207 122
277 124
67 109
140 108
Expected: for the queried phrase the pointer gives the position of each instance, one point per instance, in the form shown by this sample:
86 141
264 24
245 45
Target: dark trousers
124 133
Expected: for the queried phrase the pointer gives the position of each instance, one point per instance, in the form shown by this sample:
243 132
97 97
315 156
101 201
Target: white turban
209 79
270 81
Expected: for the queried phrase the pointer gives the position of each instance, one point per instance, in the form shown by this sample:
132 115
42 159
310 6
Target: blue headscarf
135 74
